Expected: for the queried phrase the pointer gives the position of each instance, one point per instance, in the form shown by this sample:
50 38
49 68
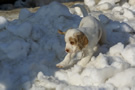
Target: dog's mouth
74 50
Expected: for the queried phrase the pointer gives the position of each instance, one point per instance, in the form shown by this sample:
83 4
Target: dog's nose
67 50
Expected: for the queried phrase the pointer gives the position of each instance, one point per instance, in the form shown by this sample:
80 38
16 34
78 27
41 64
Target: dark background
13 1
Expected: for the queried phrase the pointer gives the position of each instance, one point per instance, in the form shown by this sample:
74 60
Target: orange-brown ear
82 40
62 33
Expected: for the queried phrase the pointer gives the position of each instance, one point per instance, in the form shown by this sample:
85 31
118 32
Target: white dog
83 39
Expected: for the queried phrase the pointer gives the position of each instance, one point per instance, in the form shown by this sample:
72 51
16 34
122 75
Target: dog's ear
62 33
82 40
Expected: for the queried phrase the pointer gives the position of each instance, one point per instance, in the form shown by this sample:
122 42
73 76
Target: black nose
67 50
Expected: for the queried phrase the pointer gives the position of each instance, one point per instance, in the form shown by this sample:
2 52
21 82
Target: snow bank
30 47
104 70
31 42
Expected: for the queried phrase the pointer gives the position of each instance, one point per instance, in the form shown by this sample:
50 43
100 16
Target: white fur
91 27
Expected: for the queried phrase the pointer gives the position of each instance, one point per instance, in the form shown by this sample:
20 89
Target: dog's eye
72 43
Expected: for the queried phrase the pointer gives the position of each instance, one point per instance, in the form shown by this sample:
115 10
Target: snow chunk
117 8
75 79
22 30
123 79
58 8
24 13
45 81
119 63
78 11
92 76
132 39
129 54
61 75
108 1
36 32
124 27
101 61
128 14
132 2
116 50
104 6
15 49
2 87
126 5
104 19
89 3
3 22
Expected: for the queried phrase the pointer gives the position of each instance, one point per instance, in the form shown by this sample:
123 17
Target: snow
131 2
108 1
90 3
128 14
119 79
22 30
104 6
24 14
128 54
3 22
30 47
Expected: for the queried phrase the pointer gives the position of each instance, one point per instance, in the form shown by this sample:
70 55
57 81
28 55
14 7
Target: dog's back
92 23
88 21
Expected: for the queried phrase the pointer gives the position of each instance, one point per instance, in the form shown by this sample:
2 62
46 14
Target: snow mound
31 42
30 47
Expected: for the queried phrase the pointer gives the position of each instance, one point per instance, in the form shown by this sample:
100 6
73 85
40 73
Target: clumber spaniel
81 42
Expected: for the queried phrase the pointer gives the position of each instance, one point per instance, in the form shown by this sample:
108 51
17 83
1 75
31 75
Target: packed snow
30 48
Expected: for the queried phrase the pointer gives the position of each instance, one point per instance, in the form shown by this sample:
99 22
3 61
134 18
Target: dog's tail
85 10
103 39
103 21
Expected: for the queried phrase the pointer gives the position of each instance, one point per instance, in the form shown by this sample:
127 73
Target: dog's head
75 40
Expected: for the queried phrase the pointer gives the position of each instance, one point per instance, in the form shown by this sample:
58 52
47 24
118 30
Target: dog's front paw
59 66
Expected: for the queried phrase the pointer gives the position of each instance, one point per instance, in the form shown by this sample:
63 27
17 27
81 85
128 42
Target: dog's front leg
85 60
66 61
